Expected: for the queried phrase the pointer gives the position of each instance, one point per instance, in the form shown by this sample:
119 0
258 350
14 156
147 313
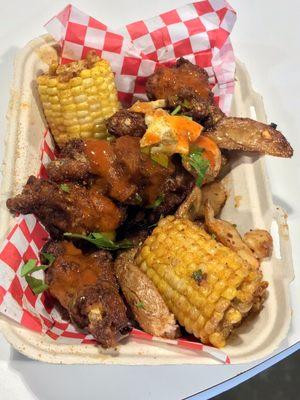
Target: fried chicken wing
71 208
67 169
86 287
147 305
248 135
126 122
193 105
167 82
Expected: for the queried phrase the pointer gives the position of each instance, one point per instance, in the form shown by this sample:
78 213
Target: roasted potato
147 305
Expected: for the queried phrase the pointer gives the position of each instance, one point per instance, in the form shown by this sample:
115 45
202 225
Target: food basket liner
197 31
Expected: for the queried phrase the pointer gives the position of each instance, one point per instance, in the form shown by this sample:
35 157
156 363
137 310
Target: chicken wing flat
167 81
68 208
123 169
248 135
86 287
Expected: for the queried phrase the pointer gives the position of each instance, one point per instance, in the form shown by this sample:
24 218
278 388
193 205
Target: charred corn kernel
205 284
78 99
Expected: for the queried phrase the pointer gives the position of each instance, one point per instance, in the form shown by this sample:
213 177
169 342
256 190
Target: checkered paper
198 32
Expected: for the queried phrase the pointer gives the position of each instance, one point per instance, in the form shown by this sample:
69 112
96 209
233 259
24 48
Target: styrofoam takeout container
249 206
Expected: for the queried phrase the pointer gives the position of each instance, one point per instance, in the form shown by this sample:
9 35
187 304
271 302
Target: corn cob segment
207 286
77 98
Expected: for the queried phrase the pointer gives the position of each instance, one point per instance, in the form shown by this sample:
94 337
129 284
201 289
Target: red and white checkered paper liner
199 32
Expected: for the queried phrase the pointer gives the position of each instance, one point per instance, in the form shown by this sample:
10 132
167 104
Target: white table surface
266 38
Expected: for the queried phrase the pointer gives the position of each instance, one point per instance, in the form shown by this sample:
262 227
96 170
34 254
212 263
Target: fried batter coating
72 208
126 122
167 82
193 105
248 135
147 305
67 169
86 287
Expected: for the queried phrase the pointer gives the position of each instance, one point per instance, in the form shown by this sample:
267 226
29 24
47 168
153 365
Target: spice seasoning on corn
208 304
78 97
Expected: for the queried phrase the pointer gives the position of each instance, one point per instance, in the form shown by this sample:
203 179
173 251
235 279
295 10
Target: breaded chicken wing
167 82
68 208
86 287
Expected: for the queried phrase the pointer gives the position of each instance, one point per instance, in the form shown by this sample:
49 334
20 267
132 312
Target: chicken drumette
86 287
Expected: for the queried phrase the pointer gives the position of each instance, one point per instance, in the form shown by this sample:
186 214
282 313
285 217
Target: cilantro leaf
28 267
157 202
64 187
101 241
140 304
198 275
176 110
36 285
138 199
198 163
48 257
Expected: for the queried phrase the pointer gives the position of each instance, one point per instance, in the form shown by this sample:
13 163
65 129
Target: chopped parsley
176 110
186 104
138 199
234 225
213 236
101 241
65 188
157 202
198 276
140 304
200 164
36 285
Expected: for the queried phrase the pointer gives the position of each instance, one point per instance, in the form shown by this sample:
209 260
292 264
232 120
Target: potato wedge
248 135
147 305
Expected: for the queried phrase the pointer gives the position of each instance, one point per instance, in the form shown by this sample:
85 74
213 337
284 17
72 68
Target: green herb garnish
157 202
48 257
138 199
176 110
101 241
213 236
198 163
140 304
186 103
161 159
234 225
64 187
36 285
198 275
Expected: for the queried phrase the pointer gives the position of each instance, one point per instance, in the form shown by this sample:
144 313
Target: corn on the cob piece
207 286
77 98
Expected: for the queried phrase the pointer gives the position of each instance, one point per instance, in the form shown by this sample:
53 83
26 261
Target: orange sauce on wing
72 273
103 162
